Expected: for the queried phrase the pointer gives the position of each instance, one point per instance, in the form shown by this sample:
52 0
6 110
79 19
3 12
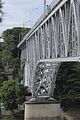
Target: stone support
42 111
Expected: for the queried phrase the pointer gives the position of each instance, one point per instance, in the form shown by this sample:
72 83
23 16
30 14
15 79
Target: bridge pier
43 106
42 110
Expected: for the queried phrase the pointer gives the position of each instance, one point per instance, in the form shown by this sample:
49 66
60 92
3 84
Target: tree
12 93
0 57
1 13
11 54
7 57
1 49
21 71
12 37
73 84
62 76
68 84
3 78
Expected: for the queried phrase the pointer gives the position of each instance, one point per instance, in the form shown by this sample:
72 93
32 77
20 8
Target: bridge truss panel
65 33
57 36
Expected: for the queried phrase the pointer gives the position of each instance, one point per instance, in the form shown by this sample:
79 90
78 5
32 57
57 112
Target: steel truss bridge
54 38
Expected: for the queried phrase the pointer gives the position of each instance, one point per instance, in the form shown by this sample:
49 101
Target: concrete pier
42 111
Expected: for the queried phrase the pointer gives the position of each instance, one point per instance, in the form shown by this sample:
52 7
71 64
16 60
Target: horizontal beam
67 59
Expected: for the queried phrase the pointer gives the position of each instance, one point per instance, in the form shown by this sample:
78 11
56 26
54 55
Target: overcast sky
21 13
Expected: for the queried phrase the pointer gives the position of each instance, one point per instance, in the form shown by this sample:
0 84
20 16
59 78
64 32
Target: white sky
21 12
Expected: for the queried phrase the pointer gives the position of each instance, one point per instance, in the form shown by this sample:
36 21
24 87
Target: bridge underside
44 80
43 84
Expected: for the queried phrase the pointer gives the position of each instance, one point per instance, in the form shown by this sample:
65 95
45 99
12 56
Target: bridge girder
55 37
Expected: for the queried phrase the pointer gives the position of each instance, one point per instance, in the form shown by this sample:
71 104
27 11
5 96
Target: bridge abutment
42 110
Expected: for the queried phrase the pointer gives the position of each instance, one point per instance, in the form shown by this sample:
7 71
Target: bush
12 93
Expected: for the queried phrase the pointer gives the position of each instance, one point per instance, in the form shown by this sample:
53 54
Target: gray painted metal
54 38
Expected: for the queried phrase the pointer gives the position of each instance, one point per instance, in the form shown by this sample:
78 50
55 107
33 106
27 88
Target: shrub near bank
12 93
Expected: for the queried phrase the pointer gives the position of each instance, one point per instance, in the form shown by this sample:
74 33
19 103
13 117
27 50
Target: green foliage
9 118
0 4
0 57
12 93
7 57
19 115
12 37
1 49
21 71
1 13
68 84
11 54
3 78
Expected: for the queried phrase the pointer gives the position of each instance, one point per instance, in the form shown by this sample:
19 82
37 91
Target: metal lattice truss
54 37
45 77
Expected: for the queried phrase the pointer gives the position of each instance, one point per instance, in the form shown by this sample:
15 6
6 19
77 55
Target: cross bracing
55 37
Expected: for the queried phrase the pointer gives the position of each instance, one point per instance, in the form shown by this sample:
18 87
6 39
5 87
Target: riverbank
71 114
19 115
